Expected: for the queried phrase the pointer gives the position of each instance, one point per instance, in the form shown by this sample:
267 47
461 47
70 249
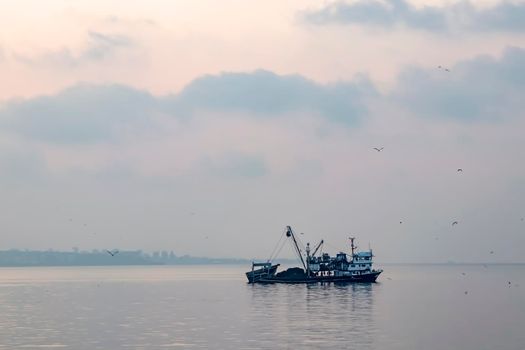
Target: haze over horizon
207 127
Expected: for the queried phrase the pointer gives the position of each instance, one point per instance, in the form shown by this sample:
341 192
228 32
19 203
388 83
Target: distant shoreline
49 258
94 258
31 258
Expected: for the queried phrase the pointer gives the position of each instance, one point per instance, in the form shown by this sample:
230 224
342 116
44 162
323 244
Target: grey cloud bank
502 17
266 93
81 114
94 113
483 88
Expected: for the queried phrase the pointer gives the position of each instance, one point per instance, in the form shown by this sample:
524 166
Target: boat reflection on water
305 315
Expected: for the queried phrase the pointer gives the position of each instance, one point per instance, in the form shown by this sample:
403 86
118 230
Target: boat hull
364 278
264 273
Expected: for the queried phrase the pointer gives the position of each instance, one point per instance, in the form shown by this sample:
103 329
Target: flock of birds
455 222
459 170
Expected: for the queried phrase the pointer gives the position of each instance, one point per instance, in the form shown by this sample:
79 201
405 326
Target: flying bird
491 252
379 149
447 70
454 223
460 170
112 253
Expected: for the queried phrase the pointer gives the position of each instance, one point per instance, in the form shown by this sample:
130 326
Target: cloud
102 45
80 114
462 16
483 88
94 113
98 47
266 93
480 89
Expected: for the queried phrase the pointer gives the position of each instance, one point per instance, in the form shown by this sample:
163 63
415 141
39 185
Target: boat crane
319 245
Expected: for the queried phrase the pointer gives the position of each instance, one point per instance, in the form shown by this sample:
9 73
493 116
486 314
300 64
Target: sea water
212 307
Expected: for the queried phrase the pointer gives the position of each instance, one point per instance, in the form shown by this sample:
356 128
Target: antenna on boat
352 246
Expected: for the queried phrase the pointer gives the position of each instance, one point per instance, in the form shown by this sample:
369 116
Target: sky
205 127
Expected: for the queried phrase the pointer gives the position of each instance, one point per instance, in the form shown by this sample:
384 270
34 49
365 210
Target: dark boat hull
264 273
365 278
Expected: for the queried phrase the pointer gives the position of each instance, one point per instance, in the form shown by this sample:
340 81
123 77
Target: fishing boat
316 267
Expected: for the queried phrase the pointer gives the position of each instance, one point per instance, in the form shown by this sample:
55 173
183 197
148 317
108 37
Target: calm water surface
209 307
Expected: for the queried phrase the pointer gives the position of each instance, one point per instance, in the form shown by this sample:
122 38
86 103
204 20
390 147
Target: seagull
463 273
491 252
454 223
466 292
112 253
401 222
379 149
439 67
447 70
460 170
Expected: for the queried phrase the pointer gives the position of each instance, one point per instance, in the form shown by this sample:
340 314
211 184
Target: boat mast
308 259
352 246
289 233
